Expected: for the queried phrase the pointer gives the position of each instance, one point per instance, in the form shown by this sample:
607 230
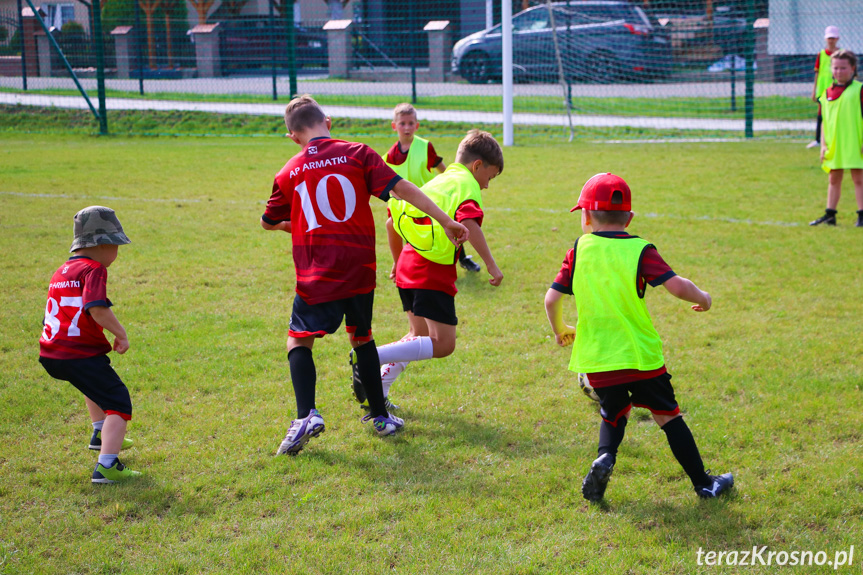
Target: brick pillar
28 37
123 38
206 39
440 49
339 47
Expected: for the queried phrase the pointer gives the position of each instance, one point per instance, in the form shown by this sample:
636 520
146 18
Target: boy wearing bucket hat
823 77
616 345
73 346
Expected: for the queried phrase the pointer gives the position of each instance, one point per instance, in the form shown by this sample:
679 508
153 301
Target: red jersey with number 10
69 331
324 192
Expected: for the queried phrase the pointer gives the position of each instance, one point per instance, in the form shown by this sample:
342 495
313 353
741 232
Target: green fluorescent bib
614 330
448 190
415 168
825 75
843 144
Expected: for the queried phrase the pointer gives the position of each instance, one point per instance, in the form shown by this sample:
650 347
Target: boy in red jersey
321 197
425 271
73 346
616 345
414 158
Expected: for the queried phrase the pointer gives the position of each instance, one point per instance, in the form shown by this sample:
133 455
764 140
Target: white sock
107 460
389 373
412 349
97 425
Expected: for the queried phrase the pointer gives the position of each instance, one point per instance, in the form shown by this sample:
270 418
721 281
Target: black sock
304 377
369 366
610 437
830 212
685 451
859 214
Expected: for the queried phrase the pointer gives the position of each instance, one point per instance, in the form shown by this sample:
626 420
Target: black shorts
320 319
96 379
655 394
430 304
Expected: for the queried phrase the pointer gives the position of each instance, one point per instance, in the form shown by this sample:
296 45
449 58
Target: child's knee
443 348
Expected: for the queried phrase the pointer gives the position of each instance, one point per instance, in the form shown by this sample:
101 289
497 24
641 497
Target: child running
73 346
616 344
321 197
425 271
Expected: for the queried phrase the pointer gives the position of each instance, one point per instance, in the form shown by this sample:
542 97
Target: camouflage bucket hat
97 225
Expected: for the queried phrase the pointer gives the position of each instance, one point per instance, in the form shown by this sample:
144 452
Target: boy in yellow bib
415 159
842 134
616 344
425 269
823 77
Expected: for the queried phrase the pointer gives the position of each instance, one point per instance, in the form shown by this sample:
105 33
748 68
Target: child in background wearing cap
842 135
616 344
425 271
414 158
823 76
73 346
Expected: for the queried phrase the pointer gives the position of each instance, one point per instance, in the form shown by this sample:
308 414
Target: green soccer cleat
96 441
114 474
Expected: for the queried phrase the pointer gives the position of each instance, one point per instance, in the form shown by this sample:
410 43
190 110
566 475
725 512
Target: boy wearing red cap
607 271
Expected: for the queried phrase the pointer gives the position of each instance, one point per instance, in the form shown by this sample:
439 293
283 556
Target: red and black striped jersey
69 332
324 191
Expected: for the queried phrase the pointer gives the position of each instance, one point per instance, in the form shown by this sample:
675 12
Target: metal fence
658 64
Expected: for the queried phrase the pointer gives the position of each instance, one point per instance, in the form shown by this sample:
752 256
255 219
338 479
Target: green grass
485 477
766 108
33 120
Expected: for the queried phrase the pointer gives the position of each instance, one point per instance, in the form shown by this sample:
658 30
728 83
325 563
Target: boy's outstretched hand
705 305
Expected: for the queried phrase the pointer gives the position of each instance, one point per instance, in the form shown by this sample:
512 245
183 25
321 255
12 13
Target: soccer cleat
96 441
829 219
386 424
596 480
356 383
467 263
114 474
813 144
300 432
719 485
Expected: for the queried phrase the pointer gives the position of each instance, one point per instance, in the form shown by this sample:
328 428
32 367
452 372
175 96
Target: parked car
599 41
251 42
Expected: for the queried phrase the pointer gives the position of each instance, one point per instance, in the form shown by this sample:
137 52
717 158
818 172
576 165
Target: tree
233 7
202 7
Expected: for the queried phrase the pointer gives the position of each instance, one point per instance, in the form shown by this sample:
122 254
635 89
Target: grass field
486 476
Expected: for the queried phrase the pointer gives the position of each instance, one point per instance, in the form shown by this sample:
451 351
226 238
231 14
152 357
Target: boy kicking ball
616 344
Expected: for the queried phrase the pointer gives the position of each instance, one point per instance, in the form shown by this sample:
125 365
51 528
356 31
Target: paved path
321 85
76 102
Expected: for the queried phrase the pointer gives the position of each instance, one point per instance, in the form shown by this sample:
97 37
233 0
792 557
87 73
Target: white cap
831 32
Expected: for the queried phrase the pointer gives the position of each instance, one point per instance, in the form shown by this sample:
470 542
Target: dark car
599 41
254 42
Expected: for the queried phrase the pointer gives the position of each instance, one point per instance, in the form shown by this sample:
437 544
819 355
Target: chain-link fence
643 63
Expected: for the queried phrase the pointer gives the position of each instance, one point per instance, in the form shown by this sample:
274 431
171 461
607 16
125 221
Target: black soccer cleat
719 485
829 219
596 480
356 383
467 263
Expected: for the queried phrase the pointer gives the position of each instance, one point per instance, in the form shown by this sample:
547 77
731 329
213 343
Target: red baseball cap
598 192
